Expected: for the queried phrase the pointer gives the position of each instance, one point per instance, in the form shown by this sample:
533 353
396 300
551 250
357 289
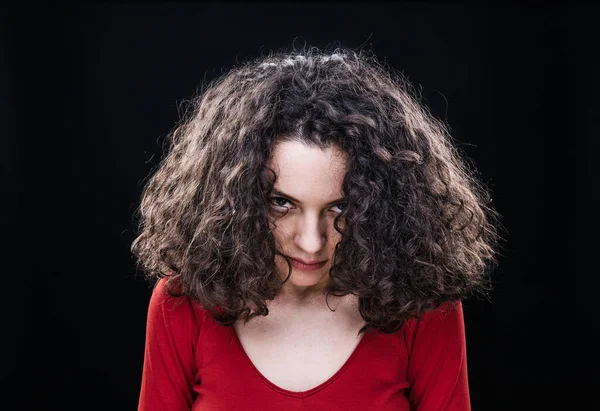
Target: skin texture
305 230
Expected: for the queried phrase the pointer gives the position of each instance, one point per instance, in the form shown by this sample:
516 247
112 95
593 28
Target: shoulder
447 312
437 366
172 310
445 323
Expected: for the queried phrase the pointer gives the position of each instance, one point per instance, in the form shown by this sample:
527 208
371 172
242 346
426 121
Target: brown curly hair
419 229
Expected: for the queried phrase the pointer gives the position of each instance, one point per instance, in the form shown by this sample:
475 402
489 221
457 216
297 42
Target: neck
303 299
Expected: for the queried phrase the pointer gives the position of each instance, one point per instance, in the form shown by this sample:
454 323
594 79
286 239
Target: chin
299 281
306 278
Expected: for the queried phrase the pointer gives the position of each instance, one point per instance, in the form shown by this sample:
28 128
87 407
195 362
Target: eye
279 202
340 207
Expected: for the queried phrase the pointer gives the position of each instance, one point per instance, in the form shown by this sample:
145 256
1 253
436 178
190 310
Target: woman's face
309 185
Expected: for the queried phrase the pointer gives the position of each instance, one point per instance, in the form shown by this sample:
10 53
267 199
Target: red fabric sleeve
437 369
169 367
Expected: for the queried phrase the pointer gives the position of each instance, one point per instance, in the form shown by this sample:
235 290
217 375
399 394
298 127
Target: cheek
281 234
341 224
334 239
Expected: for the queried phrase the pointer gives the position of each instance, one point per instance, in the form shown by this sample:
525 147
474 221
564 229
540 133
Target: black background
89 94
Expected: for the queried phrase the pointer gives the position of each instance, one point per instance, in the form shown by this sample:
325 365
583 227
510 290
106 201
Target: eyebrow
289 197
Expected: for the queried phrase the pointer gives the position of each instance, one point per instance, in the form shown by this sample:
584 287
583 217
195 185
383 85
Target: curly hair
419 229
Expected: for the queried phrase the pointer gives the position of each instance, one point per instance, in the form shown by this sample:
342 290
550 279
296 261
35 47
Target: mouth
307 266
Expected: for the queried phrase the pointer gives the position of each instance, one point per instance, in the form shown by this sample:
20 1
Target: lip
302 265
306 262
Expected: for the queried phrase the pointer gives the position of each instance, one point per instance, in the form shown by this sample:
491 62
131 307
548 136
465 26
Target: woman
310 235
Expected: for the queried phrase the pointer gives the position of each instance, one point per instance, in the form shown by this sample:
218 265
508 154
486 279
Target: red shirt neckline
311 391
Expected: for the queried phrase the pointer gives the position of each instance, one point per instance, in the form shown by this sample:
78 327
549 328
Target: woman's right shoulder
172 308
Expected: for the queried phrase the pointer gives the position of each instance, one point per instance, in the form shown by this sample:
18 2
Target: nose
311 235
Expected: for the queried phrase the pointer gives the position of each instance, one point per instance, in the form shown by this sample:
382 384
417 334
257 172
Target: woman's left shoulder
446 311
445 320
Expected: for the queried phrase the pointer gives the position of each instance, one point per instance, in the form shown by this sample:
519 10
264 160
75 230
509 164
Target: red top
192 363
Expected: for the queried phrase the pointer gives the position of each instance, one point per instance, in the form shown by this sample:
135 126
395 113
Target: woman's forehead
304 158
308 171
